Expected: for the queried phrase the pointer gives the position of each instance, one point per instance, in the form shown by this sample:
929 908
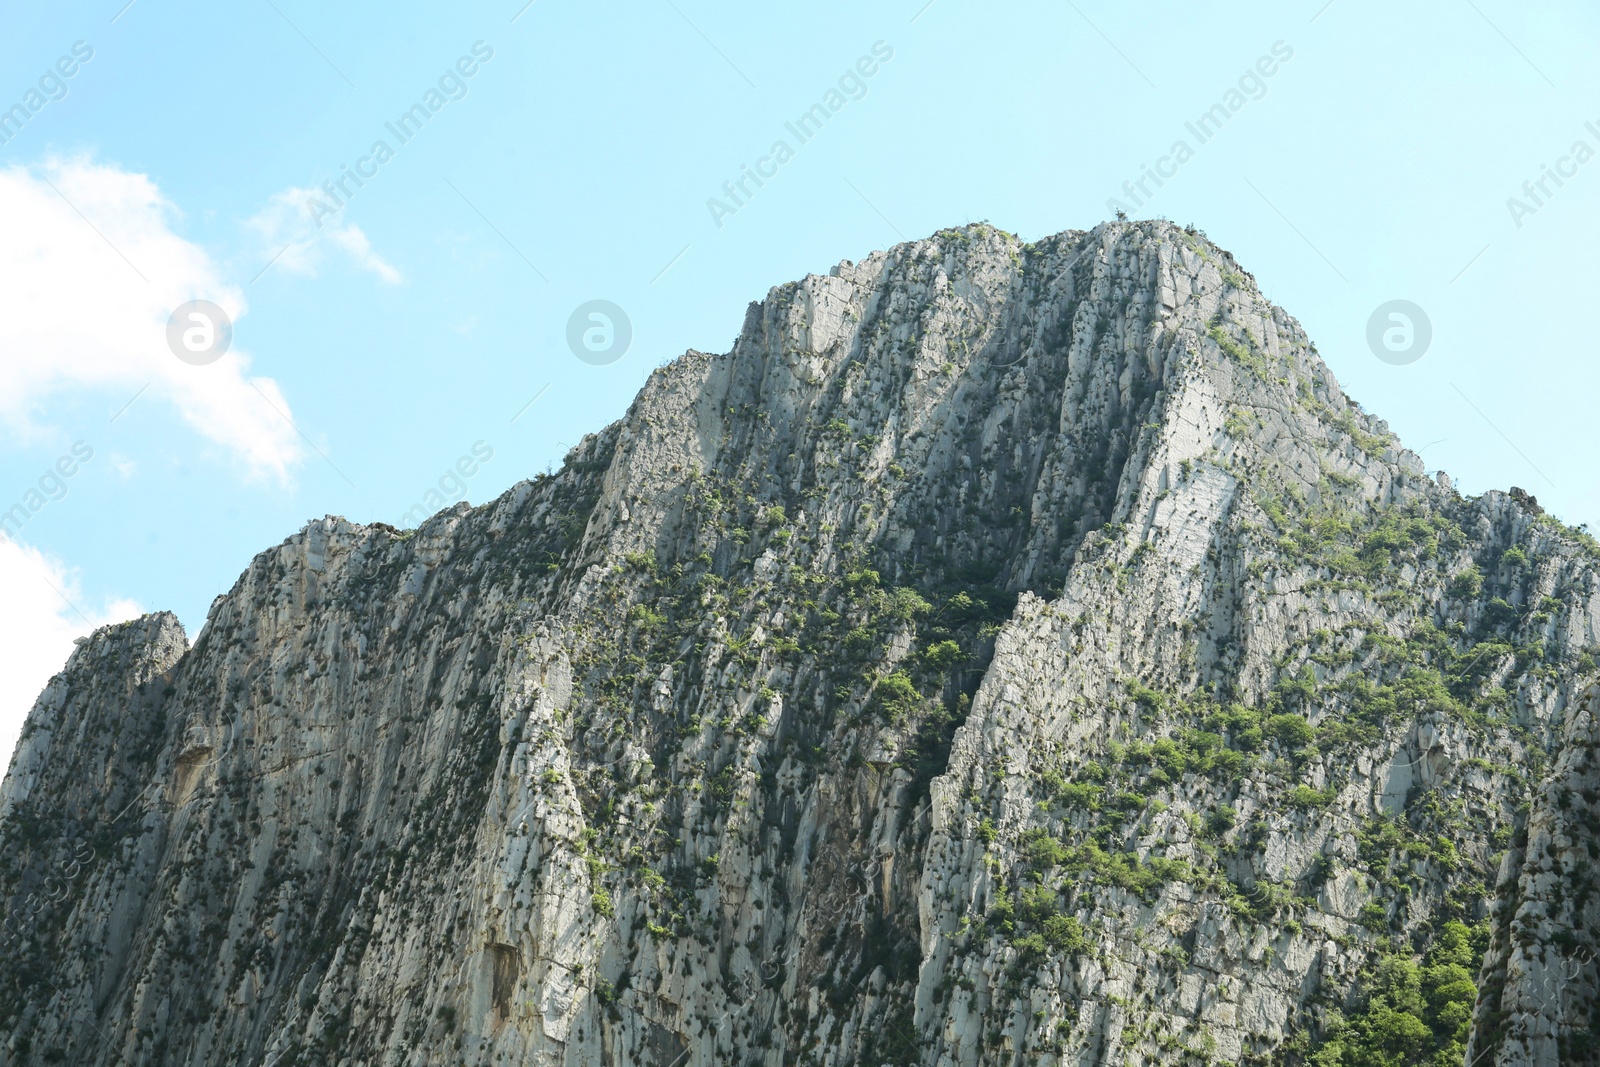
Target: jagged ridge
998 648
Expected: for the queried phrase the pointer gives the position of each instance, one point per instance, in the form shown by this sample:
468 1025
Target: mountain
1006 654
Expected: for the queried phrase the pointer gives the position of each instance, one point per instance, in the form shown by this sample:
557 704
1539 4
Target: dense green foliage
1412 1014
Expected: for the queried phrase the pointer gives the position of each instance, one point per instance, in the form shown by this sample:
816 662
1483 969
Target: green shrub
1291 731
1080 795
1220 820
1466 585
1149 698
601 902
1201 742
647 619
1303 796
1043 851
1002 914
1054 932
866 578
1036 903
1413 1014
903 605
1228 765
1031 945
1498 613
1064 934
1169 757
897 696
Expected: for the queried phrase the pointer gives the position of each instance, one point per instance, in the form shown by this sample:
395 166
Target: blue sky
575 163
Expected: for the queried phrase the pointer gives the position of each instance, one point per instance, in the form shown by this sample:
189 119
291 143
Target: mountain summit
1006 654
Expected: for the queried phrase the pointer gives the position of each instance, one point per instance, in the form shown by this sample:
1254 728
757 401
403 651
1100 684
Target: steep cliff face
1005 654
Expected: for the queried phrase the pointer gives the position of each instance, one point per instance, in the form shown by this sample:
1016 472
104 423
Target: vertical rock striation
1005 654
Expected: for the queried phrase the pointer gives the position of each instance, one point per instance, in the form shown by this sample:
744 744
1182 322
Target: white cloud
37 628
301 242
90 271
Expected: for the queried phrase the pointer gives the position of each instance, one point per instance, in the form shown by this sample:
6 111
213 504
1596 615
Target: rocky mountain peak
1004 653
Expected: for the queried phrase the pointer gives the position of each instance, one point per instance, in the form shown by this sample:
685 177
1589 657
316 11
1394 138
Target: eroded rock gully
1005 654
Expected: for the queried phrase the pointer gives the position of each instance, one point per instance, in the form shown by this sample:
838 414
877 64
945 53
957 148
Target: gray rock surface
1005 654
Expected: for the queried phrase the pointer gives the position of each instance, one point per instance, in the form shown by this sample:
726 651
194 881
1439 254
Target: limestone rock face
1005 654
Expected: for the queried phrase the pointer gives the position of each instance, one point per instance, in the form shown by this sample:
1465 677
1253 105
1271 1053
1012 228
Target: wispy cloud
302 239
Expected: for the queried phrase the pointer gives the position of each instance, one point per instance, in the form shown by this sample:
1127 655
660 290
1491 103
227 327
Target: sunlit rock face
1005 654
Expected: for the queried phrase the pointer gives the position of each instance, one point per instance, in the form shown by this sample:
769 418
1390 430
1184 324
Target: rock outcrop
1005 654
